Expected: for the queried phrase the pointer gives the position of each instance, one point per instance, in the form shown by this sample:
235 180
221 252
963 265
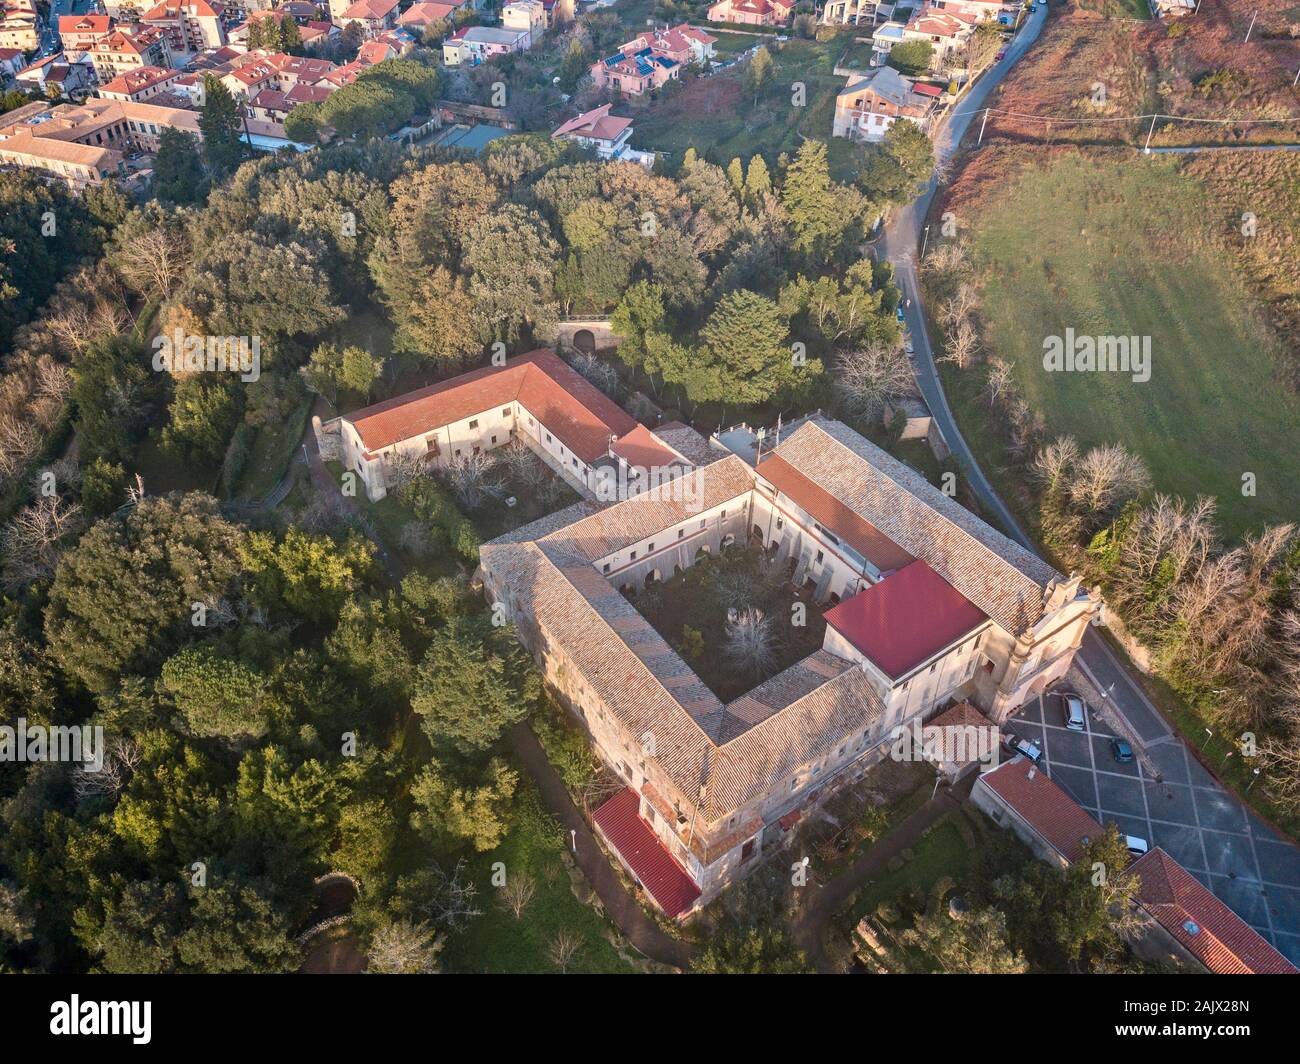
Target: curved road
1254 870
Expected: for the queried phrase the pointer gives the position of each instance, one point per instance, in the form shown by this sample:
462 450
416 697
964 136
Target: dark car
1017 745
1121 751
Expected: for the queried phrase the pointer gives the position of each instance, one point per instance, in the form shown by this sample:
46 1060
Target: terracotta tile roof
655 868
905 619
370 9
422 14
1200 922
580 415
598 125
942 728
1046 808
831 513
688 443
641 448
999 576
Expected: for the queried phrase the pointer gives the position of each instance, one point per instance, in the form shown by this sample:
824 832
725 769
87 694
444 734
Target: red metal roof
830 513
576 411
619 820
905 619
1051 812
1202 924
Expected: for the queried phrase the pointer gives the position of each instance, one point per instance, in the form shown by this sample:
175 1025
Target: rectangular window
494 439
821 556
548 438
681 532
605 568
747 851
505 412
473 424
634 555
650 548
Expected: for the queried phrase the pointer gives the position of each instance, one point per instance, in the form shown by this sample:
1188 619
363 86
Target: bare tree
596 370
467 476
30 545
517 893
564 947
1054 463
404 947
867 379
401 469
1105 478
961 344
154 261
960 306
120 761
452 901
999 380
750 642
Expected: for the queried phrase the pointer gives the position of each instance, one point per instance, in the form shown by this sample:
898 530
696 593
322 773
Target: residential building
868 105
605 134
190 25
529 16
139 85
373 16
20 25
855 12
12 60
752 12
422 15
79 32
946 31
652 59
56 75
127 49
478 44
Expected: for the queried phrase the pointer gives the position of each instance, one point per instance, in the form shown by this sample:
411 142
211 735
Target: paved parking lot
1184 811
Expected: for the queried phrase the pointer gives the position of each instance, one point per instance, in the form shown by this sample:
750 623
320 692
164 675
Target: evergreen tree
178 168
220 122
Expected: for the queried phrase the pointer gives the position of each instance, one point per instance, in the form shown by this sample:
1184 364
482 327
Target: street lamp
1252 782
1208 736
924 239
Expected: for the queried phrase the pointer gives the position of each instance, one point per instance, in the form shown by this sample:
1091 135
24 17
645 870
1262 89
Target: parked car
1121 751
1075 715
1017 745
1137 847
899 313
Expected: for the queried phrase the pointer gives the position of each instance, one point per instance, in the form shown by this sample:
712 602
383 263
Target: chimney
1033 771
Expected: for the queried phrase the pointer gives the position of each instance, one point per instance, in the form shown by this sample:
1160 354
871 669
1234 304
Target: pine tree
736 175
810 199
758 182
220 124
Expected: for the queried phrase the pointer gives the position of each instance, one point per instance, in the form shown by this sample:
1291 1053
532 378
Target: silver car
1075 714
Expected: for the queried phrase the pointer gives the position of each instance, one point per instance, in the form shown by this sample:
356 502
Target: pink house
752 12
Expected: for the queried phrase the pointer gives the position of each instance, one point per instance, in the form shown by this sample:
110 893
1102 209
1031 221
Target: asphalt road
1256 872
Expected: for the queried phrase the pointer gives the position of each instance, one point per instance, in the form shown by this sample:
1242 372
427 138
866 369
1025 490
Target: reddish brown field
1198 67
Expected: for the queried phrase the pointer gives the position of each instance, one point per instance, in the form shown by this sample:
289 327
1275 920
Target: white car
1137 847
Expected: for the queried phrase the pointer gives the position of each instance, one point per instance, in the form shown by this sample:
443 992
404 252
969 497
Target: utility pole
1147 149
982 125
1250 27
924 238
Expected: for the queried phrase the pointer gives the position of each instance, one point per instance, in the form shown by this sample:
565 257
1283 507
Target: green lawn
496 941
716 117
942 852
1109 246
273 449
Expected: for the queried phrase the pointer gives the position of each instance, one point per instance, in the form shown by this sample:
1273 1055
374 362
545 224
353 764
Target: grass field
716 117
1138 9
496 941
1122 246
